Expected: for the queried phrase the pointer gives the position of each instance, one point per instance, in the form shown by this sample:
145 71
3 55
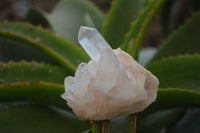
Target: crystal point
92 41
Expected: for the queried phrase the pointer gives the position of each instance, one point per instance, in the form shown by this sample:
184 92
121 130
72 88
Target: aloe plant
35 61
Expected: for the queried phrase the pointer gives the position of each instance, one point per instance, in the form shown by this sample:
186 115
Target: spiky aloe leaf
13 72
173 98
67 16
37 17
32 118
154 117
120 16
178 72
37 92
59 45
12 44
184 70
184 40
138 29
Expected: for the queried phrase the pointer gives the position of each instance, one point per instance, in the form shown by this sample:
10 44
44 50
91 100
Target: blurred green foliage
34 62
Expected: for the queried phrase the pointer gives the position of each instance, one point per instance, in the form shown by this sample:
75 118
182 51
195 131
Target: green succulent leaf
12 45
60 46
37 92
188 124
138 29
37 17
172 98
185 40
31 72
120 16
68 15
159 120
32 118
178 72
167 109
16 47
181 71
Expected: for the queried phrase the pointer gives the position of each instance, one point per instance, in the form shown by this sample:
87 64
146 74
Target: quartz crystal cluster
111 84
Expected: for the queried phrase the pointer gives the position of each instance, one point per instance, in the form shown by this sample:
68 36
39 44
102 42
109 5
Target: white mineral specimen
111 84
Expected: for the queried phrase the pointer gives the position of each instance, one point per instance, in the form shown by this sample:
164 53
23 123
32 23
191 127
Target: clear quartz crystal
92 41
109 85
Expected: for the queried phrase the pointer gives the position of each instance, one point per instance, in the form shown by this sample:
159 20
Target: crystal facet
92 41
111 84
